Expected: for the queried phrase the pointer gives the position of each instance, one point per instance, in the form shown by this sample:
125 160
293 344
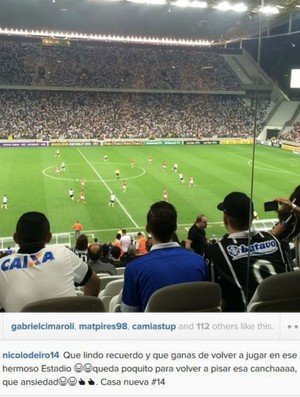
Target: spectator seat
120 270
115 303
112 289
106 278
66 304
202 296
277 293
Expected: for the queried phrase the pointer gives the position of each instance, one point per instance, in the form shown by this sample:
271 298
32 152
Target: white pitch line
108 188
265 166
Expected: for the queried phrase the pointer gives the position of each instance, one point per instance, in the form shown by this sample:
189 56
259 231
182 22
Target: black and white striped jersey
239 264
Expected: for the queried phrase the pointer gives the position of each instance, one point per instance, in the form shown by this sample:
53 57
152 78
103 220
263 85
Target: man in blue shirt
167 263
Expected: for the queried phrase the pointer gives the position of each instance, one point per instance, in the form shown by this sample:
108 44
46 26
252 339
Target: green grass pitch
29 180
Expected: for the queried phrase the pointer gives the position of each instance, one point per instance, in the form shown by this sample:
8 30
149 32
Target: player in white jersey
71 194
175 167
112 200
181 178
4 202
191 182
165 195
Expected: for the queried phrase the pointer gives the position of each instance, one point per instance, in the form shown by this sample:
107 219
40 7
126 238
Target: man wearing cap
242 259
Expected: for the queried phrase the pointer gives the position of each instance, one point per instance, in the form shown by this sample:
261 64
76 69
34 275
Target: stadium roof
124 17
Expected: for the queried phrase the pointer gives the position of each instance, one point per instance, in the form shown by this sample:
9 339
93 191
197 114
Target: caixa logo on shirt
256 249
24 262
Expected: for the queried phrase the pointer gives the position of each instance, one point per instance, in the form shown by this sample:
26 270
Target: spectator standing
117 241
196 239
141 244
77 227
125 241
242 259
166 264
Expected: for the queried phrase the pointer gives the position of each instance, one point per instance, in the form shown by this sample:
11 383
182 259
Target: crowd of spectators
98 115
114 66
292 135
166 263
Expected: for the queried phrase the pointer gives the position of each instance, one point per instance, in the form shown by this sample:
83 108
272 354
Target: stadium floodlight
181 3
269 10
224 6
106 38
154 2
198 4
239 7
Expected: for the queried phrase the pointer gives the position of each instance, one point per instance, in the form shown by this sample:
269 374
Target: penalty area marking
271 168
265 167
93 180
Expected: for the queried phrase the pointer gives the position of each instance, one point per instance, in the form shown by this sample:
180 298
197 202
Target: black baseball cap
237 205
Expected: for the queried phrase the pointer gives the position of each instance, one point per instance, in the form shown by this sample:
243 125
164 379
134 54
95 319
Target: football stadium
109 108
217 170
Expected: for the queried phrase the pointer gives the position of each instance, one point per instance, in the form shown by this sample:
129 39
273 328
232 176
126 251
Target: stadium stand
83 64
97 115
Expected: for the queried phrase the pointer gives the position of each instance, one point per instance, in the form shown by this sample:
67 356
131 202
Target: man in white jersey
38 272
112 200
4 202
71 194
125 241
191 182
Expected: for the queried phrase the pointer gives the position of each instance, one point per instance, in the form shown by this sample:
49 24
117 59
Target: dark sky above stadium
107 17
